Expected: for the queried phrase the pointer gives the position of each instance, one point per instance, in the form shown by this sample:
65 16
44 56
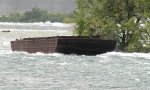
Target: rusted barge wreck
64 44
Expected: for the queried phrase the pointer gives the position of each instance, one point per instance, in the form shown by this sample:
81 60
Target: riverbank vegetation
38 15
126 21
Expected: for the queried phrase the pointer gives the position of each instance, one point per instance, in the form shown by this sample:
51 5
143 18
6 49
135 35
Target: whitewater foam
5 43
112 70
38 54
121 54
4 52
48 23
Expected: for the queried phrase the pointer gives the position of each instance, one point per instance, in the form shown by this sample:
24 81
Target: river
108 71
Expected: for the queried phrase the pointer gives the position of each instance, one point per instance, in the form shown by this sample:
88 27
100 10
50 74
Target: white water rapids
109 71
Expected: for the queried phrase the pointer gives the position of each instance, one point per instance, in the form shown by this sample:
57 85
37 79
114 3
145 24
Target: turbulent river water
109 71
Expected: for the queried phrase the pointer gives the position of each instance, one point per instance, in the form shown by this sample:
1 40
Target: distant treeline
38 15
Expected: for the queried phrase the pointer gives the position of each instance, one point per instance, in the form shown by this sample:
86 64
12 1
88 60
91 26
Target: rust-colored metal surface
64 44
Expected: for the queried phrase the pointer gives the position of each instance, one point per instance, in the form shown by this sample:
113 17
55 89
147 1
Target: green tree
3 18
69 20
38 15
14 17
114 19
56 17
35 15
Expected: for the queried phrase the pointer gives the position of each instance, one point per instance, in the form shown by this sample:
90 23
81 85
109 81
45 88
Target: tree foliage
122 20
36 15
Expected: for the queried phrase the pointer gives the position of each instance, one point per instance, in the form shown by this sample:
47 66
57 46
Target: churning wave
46 29
36 26
111 70
48 23
105 55
128 55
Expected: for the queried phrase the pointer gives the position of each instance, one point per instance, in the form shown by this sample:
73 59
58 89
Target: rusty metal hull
64 44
